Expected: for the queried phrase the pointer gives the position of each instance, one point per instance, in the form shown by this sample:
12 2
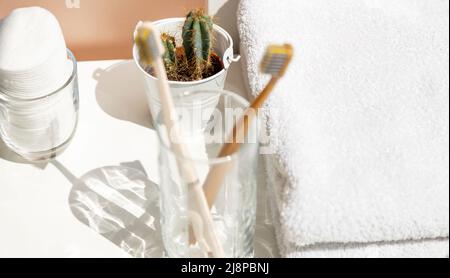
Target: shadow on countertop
120 92
8 155
121 204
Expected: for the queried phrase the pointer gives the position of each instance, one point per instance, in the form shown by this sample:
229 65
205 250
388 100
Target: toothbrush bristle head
277 59
148 41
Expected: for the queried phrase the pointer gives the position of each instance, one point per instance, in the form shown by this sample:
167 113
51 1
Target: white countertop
39 215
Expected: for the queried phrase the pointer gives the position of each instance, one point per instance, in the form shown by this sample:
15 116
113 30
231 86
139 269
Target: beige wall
214 5
102 29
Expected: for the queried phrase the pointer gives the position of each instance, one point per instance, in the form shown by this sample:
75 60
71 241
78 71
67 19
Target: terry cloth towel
359 124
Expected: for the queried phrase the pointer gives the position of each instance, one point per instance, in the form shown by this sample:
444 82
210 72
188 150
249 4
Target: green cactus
170 59
196 59
197 42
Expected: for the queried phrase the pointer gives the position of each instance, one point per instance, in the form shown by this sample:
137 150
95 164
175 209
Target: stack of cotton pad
33 55
33 65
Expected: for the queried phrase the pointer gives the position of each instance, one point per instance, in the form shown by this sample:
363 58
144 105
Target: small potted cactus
195 59
198 55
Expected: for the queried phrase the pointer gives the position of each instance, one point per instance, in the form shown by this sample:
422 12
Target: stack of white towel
359 125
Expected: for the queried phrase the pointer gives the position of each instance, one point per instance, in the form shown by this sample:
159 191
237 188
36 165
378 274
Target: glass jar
204 128
38 129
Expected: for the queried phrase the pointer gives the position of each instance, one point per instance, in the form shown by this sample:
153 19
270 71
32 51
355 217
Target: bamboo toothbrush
151 50
275 63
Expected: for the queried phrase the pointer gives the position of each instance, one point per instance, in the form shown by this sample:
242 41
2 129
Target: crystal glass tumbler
205 123
38 129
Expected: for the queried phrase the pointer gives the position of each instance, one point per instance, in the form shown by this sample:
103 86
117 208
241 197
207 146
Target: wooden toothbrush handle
217 174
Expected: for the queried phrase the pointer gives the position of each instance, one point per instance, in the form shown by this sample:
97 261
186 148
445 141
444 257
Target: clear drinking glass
38 129
205 120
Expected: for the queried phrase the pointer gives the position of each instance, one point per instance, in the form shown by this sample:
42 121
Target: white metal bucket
223 47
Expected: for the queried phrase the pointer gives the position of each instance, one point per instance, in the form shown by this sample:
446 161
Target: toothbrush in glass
275 63
151 51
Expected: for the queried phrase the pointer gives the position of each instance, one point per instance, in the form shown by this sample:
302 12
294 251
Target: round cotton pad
33 55
28 37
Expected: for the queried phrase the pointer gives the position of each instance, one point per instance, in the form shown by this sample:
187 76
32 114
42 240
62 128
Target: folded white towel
436 248
360 122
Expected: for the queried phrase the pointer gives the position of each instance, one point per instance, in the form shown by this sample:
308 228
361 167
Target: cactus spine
197 42
170 59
